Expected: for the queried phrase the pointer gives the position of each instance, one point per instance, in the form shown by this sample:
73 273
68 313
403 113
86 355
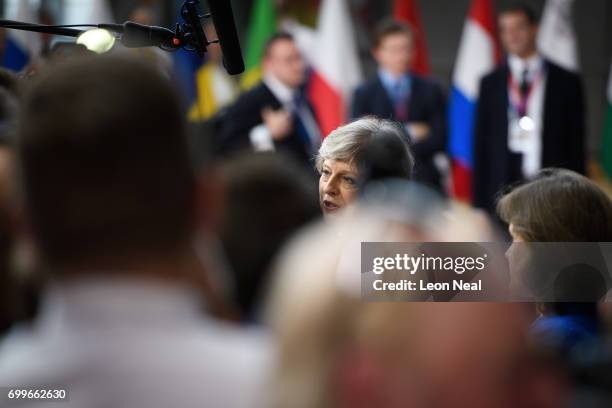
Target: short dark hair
390 27
527 10
104 162
9 81
266 193
274 38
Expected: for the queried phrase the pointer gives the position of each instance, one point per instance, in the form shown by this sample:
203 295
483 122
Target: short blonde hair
348 142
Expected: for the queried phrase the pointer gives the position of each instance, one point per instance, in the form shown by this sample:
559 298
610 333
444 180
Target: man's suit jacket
426 104
243 115
562 134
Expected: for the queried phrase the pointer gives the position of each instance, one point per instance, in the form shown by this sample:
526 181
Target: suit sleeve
480 151
436 141
237 123
577 127
360 105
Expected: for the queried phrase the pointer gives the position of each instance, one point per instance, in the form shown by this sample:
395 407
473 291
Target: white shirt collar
110 301
518 65
282 92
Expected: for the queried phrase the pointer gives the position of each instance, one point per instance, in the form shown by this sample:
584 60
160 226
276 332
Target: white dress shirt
529 144
134 344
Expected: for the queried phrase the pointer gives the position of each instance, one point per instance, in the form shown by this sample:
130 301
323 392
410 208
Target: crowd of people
133 275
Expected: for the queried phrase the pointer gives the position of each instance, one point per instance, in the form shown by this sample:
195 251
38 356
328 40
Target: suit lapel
548 111
415 96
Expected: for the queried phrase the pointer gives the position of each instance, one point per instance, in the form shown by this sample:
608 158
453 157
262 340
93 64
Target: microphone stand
41 28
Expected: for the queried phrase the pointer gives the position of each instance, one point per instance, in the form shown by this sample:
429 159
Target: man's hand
279 123
419 131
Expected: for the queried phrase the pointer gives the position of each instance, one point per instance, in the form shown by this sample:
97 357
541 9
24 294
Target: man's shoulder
557 71
189 359
259 94
499 73
372 84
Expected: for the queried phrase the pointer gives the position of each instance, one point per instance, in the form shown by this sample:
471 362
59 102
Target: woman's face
337 186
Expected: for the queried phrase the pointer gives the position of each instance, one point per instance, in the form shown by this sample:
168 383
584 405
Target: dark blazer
244 114
563 132
426 104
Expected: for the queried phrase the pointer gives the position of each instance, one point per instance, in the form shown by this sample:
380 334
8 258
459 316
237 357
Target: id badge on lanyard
522 126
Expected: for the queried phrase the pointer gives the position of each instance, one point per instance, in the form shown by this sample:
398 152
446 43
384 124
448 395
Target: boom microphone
223 18
188 35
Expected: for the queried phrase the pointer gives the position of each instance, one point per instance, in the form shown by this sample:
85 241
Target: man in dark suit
397 94
274 115
530 114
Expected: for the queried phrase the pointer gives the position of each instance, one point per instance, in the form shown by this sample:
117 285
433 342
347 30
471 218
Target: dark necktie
299 103
524 90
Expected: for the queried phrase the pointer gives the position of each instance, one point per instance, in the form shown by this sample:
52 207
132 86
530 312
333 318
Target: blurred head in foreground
268 197
10 299
337 350
105 171
356 153
111 200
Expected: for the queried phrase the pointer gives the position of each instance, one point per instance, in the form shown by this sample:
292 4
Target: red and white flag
335 65
406 11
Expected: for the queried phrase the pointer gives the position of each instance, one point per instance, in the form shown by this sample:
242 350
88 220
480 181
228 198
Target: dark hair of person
268 198
390 27
274 38
525 9
9 81
104 163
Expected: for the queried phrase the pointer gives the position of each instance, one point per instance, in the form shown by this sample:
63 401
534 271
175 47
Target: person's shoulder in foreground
150 347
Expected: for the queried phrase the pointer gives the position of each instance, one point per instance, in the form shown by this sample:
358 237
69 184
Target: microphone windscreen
225 25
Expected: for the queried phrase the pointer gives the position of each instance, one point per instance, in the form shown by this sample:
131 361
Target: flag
407 12
557 39
21 47
336 69
215 89
606 148
261 26
477 55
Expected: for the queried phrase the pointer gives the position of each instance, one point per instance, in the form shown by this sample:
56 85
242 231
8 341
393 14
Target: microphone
223 19
189 35
193 27
135 35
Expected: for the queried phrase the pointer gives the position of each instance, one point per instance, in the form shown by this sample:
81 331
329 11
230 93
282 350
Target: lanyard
520 102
